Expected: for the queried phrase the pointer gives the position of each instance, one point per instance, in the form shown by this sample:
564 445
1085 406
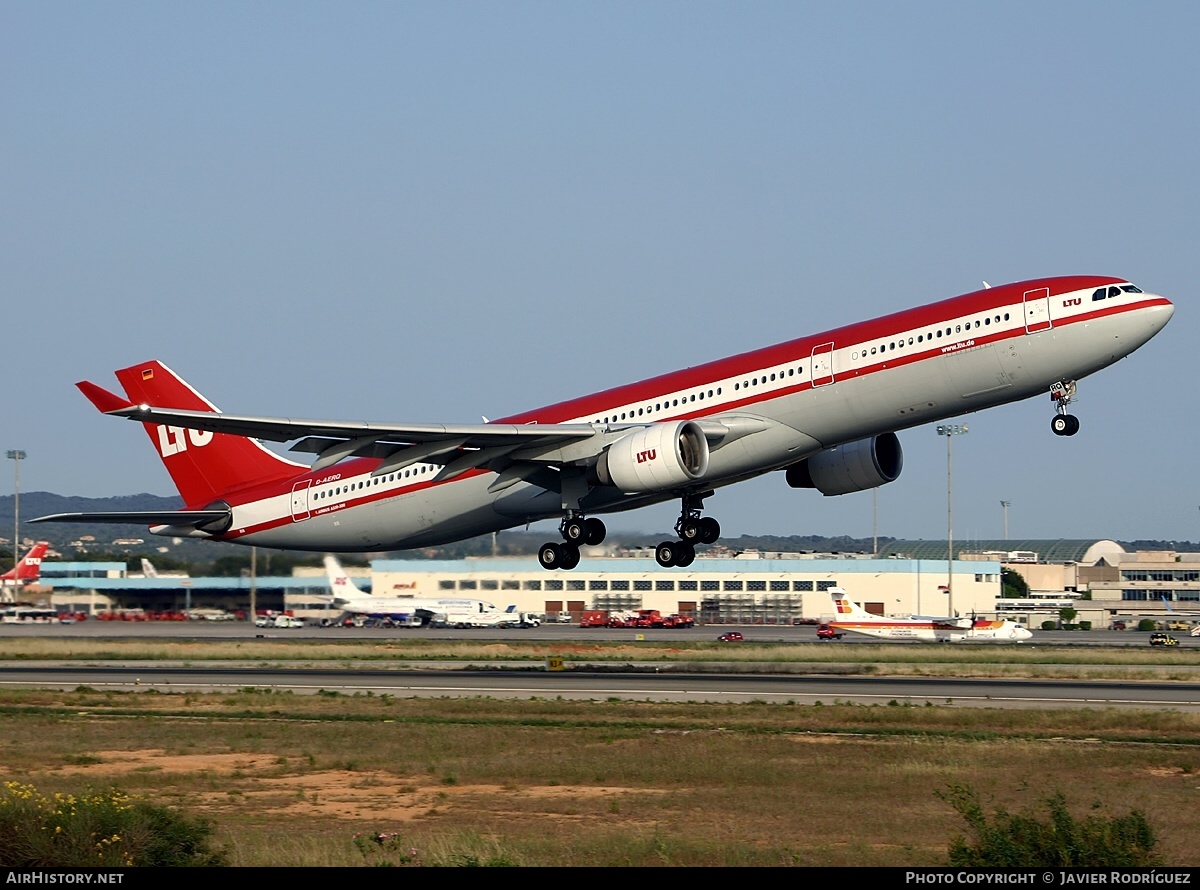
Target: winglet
104 400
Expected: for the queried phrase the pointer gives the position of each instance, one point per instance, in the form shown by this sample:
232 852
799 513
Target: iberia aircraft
28 570
852 618
823 409
459 611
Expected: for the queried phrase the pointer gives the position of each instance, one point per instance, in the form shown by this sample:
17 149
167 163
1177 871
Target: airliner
414 611
28 570
823 410
855 619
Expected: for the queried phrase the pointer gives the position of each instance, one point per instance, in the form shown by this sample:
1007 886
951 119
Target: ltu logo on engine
174 439
646 456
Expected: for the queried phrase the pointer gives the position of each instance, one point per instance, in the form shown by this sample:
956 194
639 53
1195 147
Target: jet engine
857 466
658 457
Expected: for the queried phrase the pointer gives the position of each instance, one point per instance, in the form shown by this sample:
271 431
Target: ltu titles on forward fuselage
824 409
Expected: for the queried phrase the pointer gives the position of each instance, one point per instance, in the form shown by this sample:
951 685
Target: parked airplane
28 570
853 618
410 610
824 409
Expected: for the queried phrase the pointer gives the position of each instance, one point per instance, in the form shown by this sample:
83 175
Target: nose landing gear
1062 394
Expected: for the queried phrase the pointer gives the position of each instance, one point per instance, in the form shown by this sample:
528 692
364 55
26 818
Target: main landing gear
692 529
1062 394
576 531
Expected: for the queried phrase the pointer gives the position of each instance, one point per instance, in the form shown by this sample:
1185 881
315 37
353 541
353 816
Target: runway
645 686
232 630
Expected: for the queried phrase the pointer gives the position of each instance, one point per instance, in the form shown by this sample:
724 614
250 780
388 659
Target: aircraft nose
1160 313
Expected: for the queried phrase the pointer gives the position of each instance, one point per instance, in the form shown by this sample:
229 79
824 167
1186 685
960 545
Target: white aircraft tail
148 569
340 584
848 610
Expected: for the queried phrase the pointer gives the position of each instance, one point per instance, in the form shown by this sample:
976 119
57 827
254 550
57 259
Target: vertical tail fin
204 466
847 610
29 569
340 584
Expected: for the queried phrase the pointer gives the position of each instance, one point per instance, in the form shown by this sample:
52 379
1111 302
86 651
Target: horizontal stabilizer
209 520
104 400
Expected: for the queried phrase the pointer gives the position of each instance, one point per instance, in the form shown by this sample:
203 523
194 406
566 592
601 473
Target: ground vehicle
1118 625
731 636
825 632
1162 639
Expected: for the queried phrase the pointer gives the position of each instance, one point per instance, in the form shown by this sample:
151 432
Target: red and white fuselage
824 407
853 618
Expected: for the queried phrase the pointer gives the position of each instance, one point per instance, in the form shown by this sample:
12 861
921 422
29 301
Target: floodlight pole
16 457
950 430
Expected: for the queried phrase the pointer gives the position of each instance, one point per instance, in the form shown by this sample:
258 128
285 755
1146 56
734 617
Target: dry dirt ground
360 795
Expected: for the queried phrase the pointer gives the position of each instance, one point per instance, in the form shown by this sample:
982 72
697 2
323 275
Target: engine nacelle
860 465
659 457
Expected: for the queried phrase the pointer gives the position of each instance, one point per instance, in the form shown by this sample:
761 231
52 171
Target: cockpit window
1130 289
1114 292
1099 294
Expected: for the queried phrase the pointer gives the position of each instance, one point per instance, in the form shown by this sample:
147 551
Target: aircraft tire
686 555
664 553
710 530
550 556
595 532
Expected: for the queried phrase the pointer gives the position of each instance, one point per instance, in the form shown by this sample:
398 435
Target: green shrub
97 828
1085 625
1061 841
1049 625
1147 624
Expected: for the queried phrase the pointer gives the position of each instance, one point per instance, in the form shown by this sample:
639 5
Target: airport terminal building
1098 579
752 589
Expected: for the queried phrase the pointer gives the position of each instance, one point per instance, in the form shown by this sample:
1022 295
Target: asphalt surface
808 684
641 686
233 630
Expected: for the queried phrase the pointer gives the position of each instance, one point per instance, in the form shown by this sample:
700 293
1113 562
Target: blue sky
432 212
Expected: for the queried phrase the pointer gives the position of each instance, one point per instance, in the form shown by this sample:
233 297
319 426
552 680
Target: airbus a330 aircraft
454 610
825 409
851 617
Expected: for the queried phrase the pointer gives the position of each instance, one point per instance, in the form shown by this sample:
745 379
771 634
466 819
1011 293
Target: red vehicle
731 636
825 632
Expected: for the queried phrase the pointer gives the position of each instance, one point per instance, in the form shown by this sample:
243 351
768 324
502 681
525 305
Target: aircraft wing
459 447
333 441
285 429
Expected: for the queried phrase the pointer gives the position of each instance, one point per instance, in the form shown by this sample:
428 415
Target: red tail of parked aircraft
28 570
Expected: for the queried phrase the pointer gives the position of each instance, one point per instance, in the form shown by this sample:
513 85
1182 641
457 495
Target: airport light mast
950 430
16 457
